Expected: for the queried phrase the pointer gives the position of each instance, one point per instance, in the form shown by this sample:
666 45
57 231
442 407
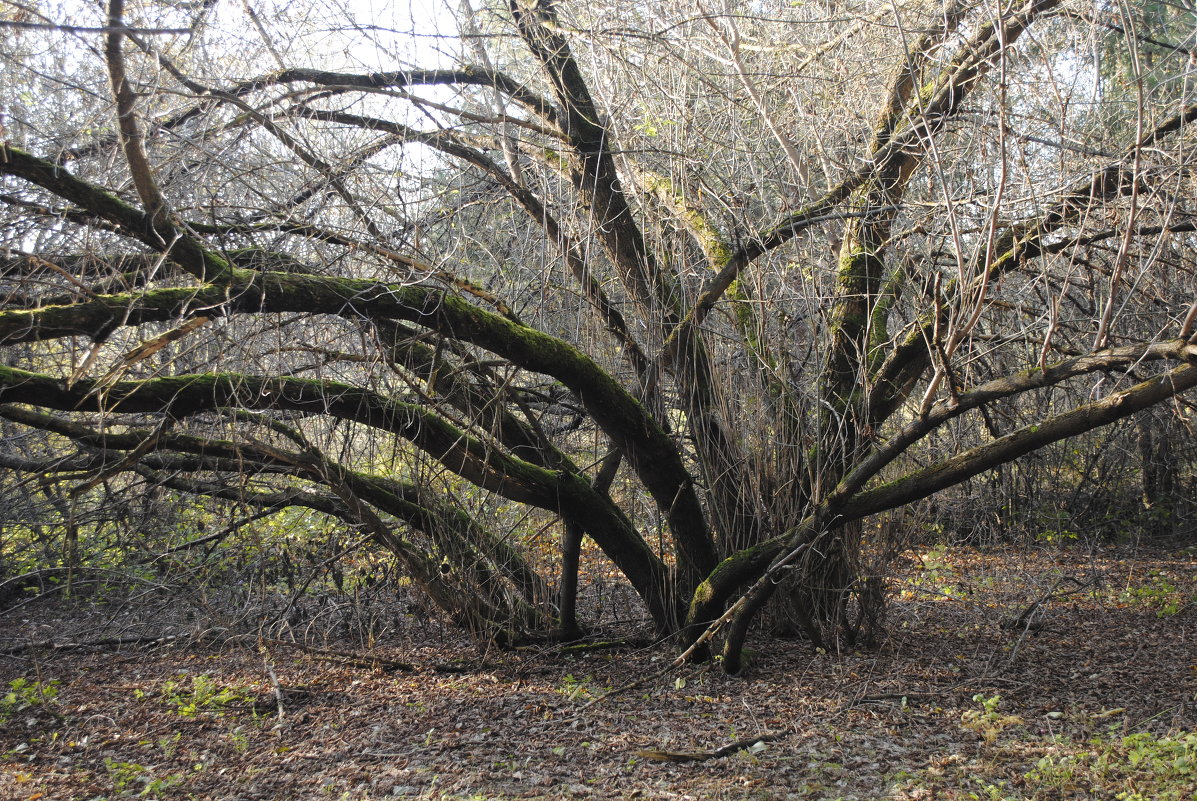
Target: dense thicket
709 289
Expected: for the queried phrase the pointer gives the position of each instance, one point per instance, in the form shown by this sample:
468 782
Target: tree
747 276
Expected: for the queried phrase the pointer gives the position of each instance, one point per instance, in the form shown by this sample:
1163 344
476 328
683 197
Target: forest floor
1099 702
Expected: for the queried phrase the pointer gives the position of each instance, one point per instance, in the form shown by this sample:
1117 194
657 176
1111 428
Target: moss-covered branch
1004 387
181 396
456 534
649 449
1014 247
847 504
956 469
157 232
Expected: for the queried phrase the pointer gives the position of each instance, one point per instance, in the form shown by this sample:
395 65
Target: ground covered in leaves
978 693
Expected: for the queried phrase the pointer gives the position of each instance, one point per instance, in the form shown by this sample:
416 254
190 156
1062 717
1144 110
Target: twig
370 662
899 696
278 691
353 660
50 645
1031 621
631 685
698 756
1032 616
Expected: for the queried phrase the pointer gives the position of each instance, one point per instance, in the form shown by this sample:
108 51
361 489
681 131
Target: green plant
204 695
992 792
987 721
126 776
1055 526
574 688
1158 592
936 572
240 740
24 695
170 745
1138 767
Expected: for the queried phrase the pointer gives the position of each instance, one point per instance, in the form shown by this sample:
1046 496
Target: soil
964 700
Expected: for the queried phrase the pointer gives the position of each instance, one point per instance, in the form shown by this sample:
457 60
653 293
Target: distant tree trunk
1158 473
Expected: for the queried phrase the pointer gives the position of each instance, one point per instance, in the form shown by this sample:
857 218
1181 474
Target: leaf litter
955 705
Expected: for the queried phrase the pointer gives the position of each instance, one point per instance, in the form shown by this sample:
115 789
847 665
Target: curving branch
170 454
849 503
182 396
451 145
649 449
157 233
132 140
1017 245
332 83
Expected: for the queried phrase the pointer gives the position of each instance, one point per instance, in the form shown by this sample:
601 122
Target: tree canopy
708 288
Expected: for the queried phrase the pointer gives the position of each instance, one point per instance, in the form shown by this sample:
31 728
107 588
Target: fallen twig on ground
746 744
